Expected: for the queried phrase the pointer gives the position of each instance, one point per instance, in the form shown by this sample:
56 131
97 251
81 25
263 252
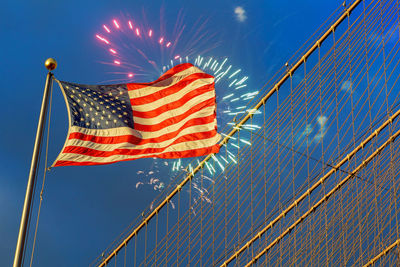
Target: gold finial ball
50 64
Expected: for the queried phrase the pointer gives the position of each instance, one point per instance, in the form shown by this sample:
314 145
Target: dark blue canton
99 106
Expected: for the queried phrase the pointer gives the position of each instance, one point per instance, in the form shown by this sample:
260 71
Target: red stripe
169 90
131 152
136 140
173 120
172 105
171 72
167 155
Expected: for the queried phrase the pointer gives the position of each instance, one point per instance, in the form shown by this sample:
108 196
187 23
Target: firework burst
136 51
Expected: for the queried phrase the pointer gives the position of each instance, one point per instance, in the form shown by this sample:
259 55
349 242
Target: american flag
172 117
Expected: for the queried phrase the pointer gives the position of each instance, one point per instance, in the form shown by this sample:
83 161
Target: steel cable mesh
341 93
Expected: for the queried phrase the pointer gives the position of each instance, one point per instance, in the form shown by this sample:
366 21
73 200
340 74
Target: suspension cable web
313 180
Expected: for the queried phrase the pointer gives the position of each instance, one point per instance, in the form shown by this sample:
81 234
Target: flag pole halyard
50 64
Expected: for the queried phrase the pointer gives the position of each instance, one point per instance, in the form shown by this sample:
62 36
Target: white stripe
164 144
170 113
175 127
163 84
119 131
141 134
181 147
171 98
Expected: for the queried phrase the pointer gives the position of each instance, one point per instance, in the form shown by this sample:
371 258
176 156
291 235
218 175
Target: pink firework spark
102 39
106 28
116 24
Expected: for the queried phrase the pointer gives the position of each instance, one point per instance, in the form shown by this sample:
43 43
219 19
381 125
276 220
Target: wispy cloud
347 86
321 120
240 14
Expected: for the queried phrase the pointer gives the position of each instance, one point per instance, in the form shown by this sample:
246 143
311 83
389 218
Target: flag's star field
99 107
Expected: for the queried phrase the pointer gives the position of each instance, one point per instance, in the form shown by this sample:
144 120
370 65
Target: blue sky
85 208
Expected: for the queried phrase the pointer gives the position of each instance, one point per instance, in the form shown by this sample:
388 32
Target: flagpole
50 64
